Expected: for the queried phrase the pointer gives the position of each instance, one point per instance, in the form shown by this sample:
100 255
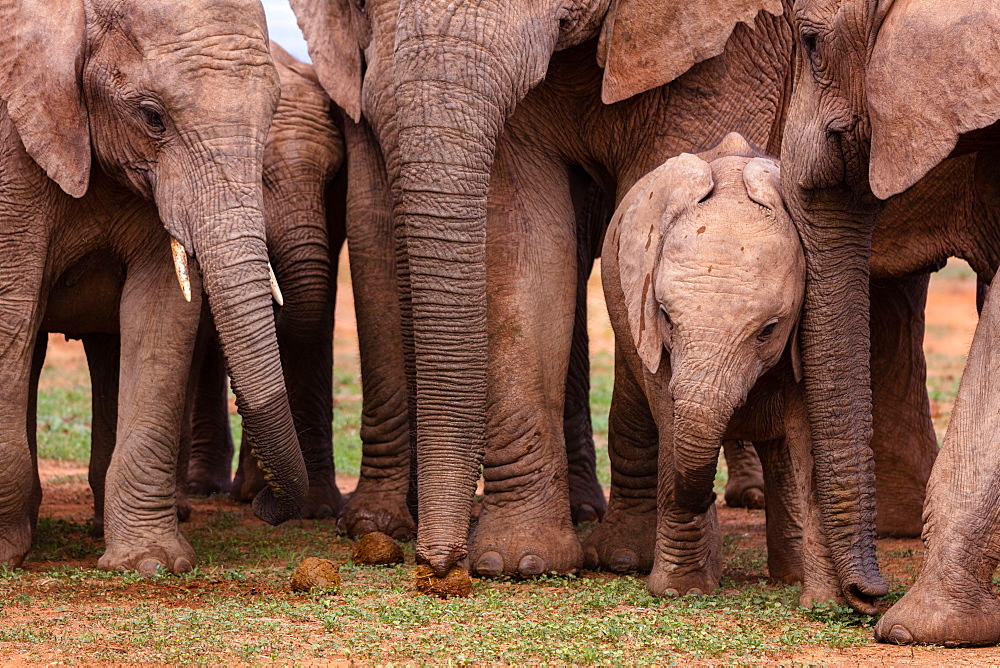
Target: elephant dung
457 582
315 572
377 549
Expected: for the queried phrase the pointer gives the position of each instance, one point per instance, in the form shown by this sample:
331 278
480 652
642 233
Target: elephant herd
769 184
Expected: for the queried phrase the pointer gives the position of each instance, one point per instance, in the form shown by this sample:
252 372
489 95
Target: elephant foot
148 556
507 544
247 482
206 482
586 497
623 542
688 557
939 613
15 542
324 499
745 481
183 506
385 511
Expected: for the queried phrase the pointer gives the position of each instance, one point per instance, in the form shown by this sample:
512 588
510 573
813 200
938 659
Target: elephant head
450 75
712 272
884 89
173 101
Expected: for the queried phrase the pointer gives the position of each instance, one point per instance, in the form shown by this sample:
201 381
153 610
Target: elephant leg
784 511
158 331
525 528
379 503
903 439
586 495
624 540
103 357
953 601
21 357
209 466
745 478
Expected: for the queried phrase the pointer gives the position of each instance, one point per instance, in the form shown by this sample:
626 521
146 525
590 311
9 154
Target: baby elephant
704 279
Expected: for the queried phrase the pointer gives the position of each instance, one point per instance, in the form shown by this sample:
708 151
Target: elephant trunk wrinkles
228 242
701 416
445 154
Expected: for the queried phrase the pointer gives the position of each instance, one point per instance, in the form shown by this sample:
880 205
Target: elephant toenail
694 591
490 564
531 565
899 635
671 592
590 559
182 565
149 566
623 561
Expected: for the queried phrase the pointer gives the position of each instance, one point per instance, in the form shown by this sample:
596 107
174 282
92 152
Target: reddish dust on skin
951 319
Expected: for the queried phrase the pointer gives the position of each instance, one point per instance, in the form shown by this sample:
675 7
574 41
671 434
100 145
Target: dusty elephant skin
449 167
87 246
304 193
885 93
704 277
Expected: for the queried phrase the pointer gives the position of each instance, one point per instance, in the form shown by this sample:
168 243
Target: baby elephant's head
711 267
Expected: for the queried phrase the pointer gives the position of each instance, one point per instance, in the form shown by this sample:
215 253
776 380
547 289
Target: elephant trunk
223 220
702 410
450 114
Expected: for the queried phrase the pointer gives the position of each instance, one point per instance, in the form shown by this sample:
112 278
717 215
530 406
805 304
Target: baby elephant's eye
153 120
766 333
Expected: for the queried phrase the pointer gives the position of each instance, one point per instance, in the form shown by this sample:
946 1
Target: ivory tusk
181 267
275 290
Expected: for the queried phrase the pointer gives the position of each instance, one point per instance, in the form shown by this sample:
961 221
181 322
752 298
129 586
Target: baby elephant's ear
640 221
763 181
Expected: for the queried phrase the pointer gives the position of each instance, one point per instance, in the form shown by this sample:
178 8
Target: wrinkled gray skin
177 153
885 92
304 217
704 277
439 85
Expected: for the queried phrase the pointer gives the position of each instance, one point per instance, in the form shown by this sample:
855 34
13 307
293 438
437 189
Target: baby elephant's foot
384 511
934 613
15 541
324 499
148 555
688 557
622 543
506 544
745 482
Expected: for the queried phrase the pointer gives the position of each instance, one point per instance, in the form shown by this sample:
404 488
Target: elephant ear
647 43
335 32
934 74
41 70
762 178
641 220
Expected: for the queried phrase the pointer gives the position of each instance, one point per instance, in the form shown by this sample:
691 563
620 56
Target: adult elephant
885 92
131 132
441 82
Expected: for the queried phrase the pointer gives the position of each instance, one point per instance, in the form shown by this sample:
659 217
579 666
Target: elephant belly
85 299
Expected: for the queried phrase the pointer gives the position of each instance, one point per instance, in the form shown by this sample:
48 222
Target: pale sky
283 29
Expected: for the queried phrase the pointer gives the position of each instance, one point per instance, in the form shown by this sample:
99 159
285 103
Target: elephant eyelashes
766 333
153 120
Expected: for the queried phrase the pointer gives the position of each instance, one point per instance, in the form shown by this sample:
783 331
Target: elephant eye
766 333
153 120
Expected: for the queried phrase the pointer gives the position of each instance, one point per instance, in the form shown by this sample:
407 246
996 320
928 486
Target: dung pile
377 549
315 572
456 582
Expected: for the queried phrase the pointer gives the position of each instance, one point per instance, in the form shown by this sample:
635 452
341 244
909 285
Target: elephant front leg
953 602
623 541
103 357
525 528
158 331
